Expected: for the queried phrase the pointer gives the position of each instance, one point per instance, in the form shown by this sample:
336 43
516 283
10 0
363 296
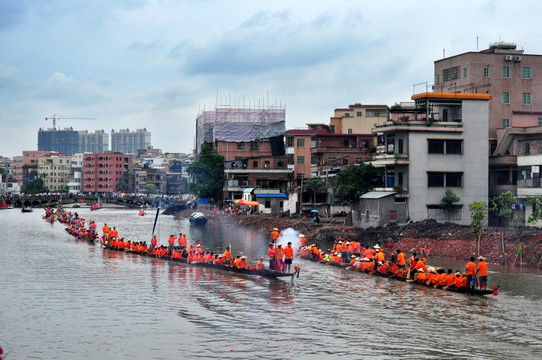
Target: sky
157 64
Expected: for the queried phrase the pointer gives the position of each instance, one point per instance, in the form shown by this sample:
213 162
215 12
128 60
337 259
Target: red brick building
102 173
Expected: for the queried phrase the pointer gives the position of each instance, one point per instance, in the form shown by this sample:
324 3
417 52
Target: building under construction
240 124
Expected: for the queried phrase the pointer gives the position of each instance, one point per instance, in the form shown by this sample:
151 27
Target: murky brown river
66 299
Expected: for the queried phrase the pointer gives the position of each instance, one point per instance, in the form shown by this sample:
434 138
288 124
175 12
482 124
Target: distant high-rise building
96 142
63 141
128 142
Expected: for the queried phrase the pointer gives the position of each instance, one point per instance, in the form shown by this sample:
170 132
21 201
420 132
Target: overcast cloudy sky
156 64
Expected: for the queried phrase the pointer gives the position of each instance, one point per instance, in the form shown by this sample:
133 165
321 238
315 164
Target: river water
66 299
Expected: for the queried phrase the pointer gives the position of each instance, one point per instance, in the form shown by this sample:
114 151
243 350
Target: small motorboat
198 219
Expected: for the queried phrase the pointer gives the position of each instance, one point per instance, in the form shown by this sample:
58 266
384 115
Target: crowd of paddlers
352 255
178 247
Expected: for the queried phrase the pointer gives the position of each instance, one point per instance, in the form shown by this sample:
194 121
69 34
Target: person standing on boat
279 253
271 254
401 259
288 256
227 256
471 273
154 242
481 271
171 243
275 234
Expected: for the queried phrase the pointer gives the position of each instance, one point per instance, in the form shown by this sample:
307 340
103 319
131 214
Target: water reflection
60 301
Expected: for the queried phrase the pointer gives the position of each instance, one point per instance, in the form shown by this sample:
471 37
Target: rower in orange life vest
302 241
259 265
154 242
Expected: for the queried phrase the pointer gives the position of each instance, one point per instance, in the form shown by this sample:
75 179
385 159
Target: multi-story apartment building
319 153
95 142
102 173
55 171
25 167
442 145
129 142
75 181
358 118
514 79
62 141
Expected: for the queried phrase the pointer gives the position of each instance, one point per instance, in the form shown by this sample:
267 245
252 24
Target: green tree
150 189
34 187
501 205
207 175
356 180
447 203
478 215
313 186
536 203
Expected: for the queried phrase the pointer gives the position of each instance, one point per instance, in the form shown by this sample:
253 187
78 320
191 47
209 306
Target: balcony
390 159
429 125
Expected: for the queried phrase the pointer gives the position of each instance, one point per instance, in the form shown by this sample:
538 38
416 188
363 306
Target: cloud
269 41
65 90
141 46
11 13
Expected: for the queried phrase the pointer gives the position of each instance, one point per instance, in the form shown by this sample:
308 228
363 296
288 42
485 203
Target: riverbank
444 240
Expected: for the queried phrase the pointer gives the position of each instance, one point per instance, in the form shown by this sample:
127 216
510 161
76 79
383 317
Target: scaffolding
240 124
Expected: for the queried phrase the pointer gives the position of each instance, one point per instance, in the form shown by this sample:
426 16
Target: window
526 98
346 114
526 72
255 164
438 78
435 179
300 142
345 161
505 123
451 73
506 71
486 72
358 160
332 129
300 159
453 179
527 149
358 114
267 204
539 121
506 97
290 141
345 143
331 159
254 146
350 131
435 146
279 163
444 179
453 146
266 164
400 146
464 72
240 146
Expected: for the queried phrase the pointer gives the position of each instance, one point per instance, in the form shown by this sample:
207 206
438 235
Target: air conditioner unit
508 58
517 58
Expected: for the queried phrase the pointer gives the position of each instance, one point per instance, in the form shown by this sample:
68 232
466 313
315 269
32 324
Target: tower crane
55 117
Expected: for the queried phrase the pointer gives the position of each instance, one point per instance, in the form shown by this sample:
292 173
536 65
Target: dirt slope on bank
444 240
